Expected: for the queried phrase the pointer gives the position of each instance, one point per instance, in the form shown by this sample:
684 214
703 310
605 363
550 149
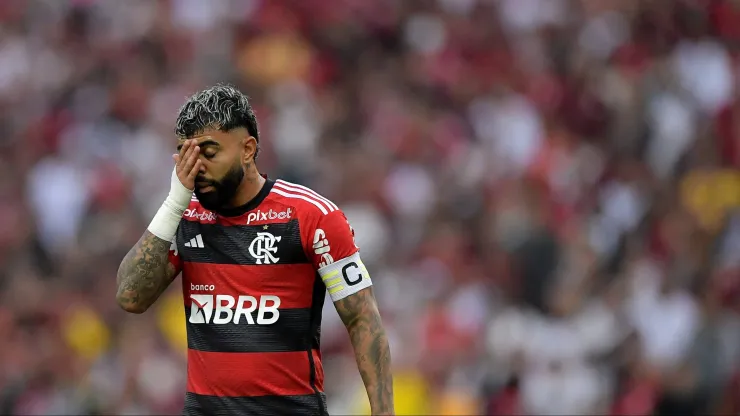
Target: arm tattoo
144 273
360 315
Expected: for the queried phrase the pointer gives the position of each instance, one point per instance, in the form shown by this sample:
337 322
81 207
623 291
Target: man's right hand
188 163
146 272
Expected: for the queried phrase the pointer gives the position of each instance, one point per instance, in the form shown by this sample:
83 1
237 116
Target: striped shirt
254 282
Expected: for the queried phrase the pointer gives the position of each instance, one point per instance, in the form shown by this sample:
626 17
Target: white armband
345 277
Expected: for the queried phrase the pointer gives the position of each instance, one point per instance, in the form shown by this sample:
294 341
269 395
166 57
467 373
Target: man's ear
250 149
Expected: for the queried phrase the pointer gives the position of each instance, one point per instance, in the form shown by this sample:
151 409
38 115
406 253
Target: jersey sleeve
336 257
174 257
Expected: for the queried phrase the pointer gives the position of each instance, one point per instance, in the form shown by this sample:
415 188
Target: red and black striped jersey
254 282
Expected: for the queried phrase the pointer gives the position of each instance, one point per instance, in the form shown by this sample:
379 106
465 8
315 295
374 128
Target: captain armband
345 277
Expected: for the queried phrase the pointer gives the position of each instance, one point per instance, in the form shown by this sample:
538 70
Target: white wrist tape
167 219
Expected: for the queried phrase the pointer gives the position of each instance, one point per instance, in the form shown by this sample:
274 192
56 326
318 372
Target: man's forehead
214 137
202 140
198 137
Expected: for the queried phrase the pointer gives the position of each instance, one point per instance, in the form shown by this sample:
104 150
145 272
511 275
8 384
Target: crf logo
223 309
263 248
269 215
321 248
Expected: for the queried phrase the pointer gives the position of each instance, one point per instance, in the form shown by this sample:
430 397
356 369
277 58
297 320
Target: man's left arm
360 315
335 255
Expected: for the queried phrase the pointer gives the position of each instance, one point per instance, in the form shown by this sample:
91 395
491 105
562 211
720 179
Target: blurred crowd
545 192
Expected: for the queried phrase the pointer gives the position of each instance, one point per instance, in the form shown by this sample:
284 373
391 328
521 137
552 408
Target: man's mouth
204 186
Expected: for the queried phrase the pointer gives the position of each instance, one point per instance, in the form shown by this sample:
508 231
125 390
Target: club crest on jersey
263 248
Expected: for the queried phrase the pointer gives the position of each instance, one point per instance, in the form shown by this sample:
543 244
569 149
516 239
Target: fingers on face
194 171
184 148
187 158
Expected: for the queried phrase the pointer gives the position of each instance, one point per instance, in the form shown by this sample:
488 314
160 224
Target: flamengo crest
263 248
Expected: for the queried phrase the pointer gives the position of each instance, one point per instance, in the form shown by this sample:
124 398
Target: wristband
167 219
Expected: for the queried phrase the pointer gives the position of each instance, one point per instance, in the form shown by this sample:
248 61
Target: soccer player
257 256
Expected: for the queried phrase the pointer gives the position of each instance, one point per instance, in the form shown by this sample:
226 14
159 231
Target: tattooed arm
146 271
144 274
360 315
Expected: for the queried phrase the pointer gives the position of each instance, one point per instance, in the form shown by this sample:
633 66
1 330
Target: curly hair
221 107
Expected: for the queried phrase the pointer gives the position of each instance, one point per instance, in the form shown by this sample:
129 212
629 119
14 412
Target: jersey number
357 274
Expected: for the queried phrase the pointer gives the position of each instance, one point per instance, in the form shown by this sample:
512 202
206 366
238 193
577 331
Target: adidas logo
195 242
